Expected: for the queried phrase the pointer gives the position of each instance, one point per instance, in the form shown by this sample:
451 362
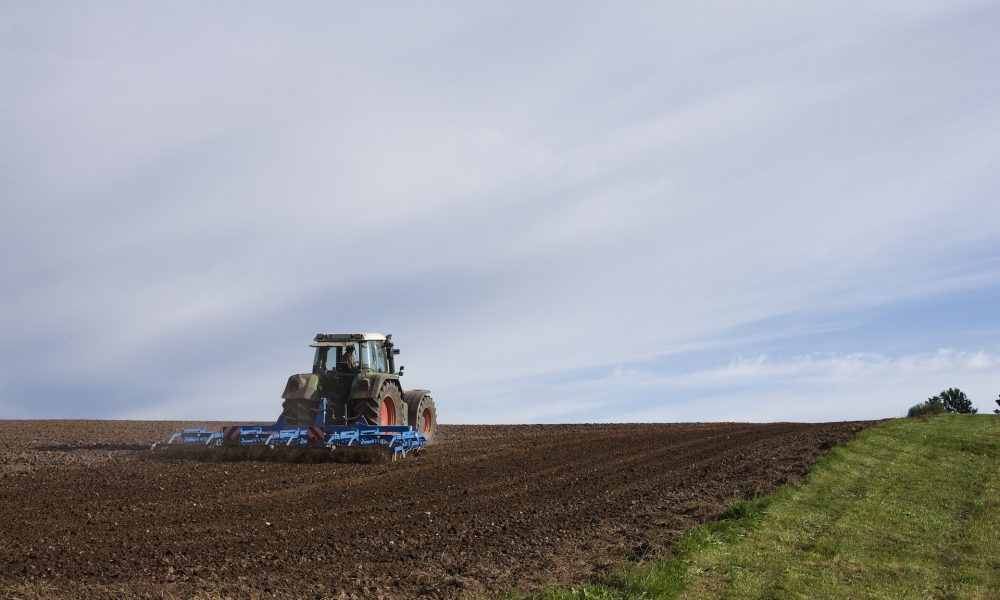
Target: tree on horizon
954 400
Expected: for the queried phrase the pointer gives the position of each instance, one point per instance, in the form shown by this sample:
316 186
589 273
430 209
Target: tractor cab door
373 356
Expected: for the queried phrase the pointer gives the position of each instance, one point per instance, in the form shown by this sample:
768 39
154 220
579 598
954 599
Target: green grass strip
908 509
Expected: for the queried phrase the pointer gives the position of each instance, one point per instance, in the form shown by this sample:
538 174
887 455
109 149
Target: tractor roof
342 339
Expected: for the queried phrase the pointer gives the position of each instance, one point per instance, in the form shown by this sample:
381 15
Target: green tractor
356 374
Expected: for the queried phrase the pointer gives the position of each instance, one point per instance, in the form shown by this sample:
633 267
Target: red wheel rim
387 414
428 421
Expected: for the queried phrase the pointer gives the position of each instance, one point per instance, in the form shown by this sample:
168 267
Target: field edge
695 561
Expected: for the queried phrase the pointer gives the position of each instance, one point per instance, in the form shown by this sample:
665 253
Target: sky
563 211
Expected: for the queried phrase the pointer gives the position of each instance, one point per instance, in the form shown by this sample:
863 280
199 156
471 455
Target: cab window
373 356
327 358
381 365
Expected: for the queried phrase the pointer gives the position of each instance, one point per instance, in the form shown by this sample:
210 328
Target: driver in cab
347 359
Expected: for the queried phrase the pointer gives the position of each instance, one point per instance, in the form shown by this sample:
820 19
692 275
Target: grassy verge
909 509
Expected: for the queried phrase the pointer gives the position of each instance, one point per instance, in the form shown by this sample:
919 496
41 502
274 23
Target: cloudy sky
563 211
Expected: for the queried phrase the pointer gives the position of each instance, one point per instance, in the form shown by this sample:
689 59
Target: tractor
369 388
350 406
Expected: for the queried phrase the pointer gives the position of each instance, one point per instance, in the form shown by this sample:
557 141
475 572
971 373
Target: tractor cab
373 352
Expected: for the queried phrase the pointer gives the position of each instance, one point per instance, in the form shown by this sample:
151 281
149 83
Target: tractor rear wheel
423 415
386 408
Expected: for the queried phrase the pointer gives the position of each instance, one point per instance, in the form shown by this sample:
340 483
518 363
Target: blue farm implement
357 442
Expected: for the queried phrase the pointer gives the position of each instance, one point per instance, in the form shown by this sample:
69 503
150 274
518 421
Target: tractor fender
368 387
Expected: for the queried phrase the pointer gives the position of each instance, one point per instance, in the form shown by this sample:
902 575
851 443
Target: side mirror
395 351
400 374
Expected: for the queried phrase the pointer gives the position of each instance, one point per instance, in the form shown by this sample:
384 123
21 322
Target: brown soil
84 513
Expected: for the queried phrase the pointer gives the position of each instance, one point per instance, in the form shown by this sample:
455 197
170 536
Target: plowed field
85 513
